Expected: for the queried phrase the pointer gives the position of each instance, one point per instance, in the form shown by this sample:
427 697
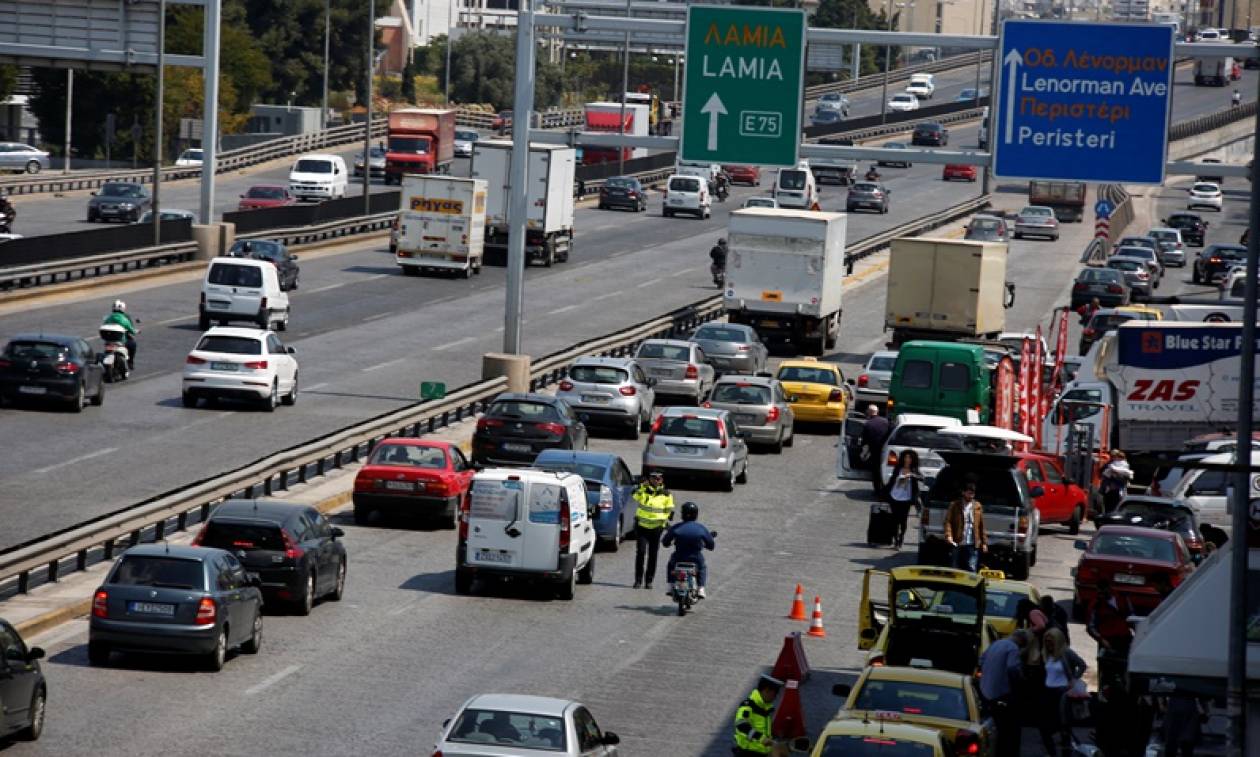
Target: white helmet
120 306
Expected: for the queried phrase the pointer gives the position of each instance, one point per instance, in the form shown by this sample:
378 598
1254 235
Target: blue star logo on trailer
1083 101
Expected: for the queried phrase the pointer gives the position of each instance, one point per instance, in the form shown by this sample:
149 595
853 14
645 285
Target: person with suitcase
904 492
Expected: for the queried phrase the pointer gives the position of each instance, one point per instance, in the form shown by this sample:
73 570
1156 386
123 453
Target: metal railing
967 60
47 558
1211 121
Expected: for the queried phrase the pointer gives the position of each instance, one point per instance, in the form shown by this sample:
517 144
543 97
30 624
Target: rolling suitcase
881 529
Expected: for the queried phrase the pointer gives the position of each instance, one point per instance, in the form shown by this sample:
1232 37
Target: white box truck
549 199
946 289
783 275
1214 72
441 225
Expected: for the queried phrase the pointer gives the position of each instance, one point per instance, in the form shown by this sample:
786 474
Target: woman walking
1063 669
903 492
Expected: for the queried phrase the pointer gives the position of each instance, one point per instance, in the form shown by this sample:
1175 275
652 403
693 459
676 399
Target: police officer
656 509
692 539
752 720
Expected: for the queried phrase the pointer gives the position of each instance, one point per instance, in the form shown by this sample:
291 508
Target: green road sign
432 390
743 90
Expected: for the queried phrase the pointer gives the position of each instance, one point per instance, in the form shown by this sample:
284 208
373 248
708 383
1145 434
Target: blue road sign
1103 209
1083 101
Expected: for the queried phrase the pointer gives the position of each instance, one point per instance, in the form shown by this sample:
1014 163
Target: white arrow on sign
1012 61
713 108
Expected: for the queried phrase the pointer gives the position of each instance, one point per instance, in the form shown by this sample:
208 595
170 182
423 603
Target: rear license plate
510 447
745 419
224 367
489 555
660 372
32 390
1130 579
684 450
217 305
594 398
151 608
400 486
772 324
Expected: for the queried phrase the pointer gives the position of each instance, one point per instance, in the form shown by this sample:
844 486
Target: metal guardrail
1211 121
967 60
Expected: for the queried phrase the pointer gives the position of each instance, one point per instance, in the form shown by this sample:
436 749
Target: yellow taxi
931 618
1001 599
879 736
936 699
816 390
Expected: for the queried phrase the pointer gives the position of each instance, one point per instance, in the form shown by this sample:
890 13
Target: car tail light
693 371
566 386
1089 332
262 304
1022 524
566 530
656 426
773 414
1114 288
605 499
835 396
864 380
628 391
1086 572
706 403
722 440
67 369
363 483
257 365
292 550
465 504
1214 260
206 611
485 423
891 460
194 360
551 428
100 604
5 363
1176 578
201 536
966 742
1143 275
878 662
744 348
1079 287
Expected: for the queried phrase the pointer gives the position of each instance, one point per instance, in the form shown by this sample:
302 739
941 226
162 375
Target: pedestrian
1057 616
1183 725
871 444
1115 481
1087 311
1000 671
753 719
655 511
1108 625
904 492
964 527
1063 669
1028 615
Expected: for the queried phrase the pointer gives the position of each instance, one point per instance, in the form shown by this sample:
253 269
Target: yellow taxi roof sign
996 575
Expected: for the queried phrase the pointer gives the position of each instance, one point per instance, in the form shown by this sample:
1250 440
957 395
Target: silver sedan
760 408
732 347
680 368
15 156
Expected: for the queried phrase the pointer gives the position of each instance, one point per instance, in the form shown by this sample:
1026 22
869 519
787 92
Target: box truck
604 117
441 225
549 199
1066 198
783 275
1213 72
946 289
420 141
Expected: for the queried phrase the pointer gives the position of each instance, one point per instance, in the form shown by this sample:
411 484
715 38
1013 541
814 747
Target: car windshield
1206 188
233 536
191 155
1126 545
1102 322
1150 513
689 426
232 275
1001 604
499 729
313 166
720 334
873 746
665 352
882 363
143 570
684 184
807 375
536 412
925 599
417 145
923 437
35 351
598 374
913 699
120 190
410 455
792 179
230 345
741 394
265 193
986 225
1034 211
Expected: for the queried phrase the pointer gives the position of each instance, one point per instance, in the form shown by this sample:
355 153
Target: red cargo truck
421 141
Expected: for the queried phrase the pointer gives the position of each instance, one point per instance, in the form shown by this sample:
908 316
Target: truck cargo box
945 288
442 224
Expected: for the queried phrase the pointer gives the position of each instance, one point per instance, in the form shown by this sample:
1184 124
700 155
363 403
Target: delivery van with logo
441 225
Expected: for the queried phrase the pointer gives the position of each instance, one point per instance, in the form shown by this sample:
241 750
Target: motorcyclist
1236 100
118 315
723 183
6 208
872 173
691 539
718 256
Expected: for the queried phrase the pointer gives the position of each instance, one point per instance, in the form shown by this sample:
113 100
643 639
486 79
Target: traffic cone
798 606
816 624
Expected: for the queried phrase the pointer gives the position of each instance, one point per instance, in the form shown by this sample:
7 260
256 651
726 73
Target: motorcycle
7 217
115 356
723 191
719 275
683 586
872 175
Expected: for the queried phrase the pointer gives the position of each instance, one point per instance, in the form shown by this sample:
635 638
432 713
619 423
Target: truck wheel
468 272
463 581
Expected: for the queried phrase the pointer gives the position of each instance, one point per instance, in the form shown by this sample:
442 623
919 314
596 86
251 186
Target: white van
318 177
922 86
526 524
242 289
795 187
687 194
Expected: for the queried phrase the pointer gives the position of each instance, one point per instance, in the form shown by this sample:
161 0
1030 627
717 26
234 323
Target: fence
77 244
292 216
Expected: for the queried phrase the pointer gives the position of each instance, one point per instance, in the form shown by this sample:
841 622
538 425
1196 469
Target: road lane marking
272 680
379 366
605 296
376 317
169 321
456 343
684 272
564 309
79 459
648 283
317 386
347 283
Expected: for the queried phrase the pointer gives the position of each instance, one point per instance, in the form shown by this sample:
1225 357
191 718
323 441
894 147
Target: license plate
745 419
32 390
685 450
400 486
224 367
109 360
1130 579
489 555
596 398
509 447
661 372
151 608
675 201
217 305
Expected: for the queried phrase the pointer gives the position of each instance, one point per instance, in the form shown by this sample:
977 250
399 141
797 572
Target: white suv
687 194
922 86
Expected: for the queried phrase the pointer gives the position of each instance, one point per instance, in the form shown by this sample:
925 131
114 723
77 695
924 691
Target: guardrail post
159 530
53 570
80 560
135 537
319 467
267 487
109 549
181 521
302 474
337 459
24 582
282 481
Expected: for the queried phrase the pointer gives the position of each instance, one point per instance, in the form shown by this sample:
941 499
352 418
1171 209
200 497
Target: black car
273 252
1193 227
1215 260
291 546
1107 284
870 195
51 366
23 690
119 201
173 599
623 192
930 133
894 161
1164 513
519 426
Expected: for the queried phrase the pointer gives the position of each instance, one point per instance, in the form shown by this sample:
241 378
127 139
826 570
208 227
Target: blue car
609 487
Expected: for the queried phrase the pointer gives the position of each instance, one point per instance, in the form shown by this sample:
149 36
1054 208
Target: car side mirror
253 579
94 194
611 739
336 532
1036 491
291 350
1080 544
842 690
241 196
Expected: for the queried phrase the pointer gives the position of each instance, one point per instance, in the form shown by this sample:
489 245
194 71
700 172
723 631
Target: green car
942 378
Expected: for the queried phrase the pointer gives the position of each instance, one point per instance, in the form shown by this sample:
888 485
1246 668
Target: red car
1136 561
265 196
750 175
1062 500
412 476
954 171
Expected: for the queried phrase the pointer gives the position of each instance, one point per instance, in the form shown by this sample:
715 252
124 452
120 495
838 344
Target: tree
97 94
409 81
483 70
8 80
855 14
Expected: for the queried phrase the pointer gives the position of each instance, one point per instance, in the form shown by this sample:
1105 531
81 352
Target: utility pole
449 28
367 125
323 112
883 97
625 87
157 133
518 202
210 115
69 110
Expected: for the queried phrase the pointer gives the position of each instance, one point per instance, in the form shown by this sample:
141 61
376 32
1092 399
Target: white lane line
564 309
79 459
272 680
605 296
456 343
169 321
347 283
379 366
648 283
684 272
317 386
376 317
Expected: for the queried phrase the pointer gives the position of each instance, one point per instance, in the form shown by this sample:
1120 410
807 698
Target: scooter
683 586
116 355
719 275
7 217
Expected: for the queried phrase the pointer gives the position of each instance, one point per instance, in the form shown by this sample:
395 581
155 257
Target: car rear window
225 534
537 412
873 746
173 572
495 500
665 352
883 363
1123 545
410 455
266 193
680 184
862 187
804 375
1108 322
741 394
619 183
1125 265
996 489
232 345
1150 513
1098 275
233 275
1144 253
917 374
592 473
1206 188
35 350
720 334
500 730
689 427
985 224
955 376
913 699
1036 211
313 166
792 179
923 437
598 374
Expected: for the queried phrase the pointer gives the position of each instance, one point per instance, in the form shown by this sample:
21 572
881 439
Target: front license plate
32 390
594 398
509 447
151 608
400 486
224 367
1130 579
490 555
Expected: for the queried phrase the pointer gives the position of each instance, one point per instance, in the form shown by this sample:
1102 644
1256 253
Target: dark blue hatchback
609 487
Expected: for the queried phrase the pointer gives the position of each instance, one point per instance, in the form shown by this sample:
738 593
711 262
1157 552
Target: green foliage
409 81
129 96
8 80
483 70
857 14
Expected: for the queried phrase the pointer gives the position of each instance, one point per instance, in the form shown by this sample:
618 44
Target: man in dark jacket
691 539
871 443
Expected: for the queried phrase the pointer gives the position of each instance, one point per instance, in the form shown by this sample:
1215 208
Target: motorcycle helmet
120 306
690 511
722 242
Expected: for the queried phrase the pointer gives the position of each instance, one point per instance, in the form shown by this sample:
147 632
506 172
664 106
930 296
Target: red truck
420 141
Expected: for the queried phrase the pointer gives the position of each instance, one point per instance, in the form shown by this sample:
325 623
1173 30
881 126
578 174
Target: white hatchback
1205 194
236 363
903 102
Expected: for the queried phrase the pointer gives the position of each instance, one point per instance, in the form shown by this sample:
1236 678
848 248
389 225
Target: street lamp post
883 107
367 125
327 39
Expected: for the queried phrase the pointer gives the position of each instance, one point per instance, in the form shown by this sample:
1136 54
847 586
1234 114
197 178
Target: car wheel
283 323
98 654
665 212
1074 524
586 575
188 400
645 423
620 535
361 515
791 437
291 398
602 206
1194 274
92 217
567 589
463 581
254 642
777 447
80 399
38 712
632 431
272 399
742 478
215 660
339 588
307 600
33 167
203 322
98 399
728 483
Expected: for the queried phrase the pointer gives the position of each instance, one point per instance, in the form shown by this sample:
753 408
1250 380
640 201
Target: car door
227 586
1047 503
286 365
644 387
1204 490
18 676
623 488
873 607
738 445
590 739
1066 496
462 468
319 537
707 373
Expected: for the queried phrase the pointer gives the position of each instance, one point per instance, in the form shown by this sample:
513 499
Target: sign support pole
69 112
518 207
367 125
210 126
158 139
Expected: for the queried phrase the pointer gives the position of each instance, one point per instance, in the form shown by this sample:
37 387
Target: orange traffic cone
815 625
798 606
